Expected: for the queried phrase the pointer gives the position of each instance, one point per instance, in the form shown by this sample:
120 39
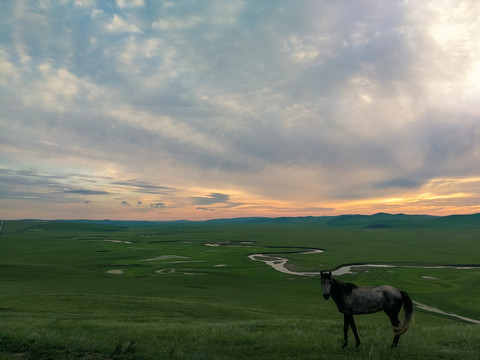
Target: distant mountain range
380 220
375 221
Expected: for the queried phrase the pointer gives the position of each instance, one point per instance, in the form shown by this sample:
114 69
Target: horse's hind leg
395 323
396 338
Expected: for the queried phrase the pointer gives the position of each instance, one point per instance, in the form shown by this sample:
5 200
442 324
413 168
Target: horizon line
246 217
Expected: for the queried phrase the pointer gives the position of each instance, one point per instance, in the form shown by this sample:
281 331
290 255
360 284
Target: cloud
84 3
34 182
119 25
86 192
176 23
157 205
288 106
130 3
213 198
144 187
397 183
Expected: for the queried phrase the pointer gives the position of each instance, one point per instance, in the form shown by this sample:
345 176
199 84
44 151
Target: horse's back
371 299
391 293
378 291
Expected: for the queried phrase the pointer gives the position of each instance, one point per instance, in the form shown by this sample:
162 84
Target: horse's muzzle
326 296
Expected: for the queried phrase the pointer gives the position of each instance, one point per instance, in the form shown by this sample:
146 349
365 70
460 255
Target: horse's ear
321 272
329 274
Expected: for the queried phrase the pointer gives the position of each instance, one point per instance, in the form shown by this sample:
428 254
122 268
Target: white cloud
301 51
57 90
130 3
8 72
119 25
453 24
96 13
225 13
54 90
173 23
85 3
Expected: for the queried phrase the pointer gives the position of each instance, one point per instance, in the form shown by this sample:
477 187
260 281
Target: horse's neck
338 292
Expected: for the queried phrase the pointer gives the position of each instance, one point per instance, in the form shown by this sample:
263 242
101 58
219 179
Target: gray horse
353 300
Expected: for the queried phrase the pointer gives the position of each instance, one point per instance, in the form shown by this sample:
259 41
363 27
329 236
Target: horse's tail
408 308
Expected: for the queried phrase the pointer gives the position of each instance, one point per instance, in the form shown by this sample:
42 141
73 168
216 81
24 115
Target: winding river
278 263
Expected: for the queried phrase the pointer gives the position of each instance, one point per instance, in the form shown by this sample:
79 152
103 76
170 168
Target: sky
165 110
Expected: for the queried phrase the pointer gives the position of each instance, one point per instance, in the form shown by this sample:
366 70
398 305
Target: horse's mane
347 287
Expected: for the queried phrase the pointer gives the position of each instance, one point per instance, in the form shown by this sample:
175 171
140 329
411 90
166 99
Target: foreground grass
268 339
263 339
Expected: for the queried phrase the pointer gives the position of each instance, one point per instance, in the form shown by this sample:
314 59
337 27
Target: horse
355 300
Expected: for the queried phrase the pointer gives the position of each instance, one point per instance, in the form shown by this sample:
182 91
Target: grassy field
71 290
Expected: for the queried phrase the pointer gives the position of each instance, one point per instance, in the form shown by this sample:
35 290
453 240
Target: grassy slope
58 301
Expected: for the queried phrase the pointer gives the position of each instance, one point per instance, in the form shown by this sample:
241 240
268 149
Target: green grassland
173 297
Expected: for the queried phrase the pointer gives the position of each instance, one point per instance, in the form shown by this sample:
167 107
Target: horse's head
326 280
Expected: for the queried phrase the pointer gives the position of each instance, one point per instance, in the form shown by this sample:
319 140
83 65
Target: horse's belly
360 307
358 310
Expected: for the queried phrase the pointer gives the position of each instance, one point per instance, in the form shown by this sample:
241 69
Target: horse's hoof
357 345
344 346
394 345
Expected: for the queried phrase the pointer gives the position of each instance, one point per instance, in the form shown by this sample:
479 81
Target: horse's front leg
346 324
354 329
